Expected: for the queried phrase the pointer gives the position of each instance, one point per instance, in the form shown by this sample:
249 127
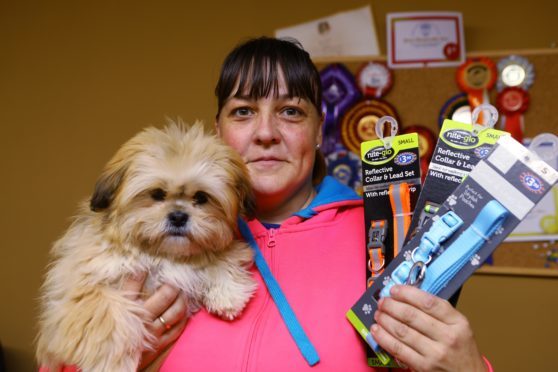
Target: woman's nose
266 129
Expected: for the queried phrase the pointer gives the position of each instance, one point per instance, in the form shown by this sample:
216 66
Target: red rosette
359 122
512 102
374 79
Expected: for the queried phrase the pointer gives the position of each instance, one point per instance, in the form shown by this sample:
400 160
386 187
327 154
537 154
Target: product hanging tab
379 129
359 122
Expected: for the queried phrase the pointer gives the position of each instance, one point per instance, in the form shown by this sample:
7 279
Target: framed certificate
425 39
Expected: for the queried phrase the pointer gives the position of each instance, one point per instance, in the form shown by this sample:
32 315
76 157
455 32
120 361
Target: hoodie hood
330 193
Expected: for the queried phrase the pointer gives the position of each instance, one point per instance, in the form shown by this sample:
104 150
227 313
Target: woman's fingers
411 317
395 347
426 302
161 300
171 316
169 310
425 332
168 314
410 335
132 285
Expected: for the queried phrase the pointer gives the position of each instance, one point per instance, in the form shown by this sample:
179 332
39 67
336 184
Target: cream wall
78 78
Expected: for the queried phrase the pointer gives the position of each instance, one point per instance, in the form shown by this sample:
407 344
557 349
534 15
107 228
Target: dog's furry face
173 192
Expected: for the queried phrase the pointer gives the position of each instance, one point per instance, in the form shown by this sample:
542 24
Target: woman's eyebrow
244 97
282 97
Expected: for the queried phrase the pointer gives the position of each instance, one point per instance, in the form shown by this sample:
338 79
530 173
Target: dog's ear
108 183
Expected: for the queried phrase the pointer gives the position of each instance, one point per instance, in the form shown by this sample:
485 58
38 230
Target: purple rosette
339 93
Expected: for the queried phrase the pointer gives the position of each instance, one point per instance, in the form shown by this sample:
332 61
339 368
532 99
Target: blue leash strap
289 317
434 277
445 267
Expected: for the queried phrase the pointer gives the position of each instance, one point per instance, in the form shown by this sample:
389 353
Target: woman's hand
168 311
425 332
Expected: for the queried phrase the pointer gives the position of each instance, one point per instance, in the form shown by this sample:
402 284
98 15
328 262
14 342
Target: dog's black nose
177 218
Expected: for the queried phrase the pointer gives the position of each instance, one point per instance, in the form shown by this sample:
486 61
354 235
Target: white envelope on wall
350 33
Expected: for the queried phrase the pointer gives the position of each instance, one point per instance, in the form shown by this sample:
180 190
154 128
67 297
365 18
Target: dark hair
269 55
254 66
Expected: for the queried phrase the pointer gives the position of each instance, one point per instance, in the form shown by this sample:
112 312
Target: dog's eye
158 194
200 197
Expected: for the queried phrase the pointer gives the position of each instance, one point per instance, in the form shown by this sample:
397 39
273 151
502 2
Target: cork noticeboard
418 96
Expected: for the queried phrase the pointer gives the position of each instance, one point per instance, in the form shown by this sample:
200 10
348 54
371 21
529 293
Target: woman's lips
265 162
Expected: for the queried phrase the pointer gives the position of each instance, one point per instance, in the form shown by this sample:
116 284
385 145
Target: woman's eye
293 112
242 111
158 194
200 197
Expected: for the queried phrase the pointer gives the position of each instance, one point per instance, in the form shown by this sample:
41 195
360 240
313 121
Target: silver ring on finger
164 323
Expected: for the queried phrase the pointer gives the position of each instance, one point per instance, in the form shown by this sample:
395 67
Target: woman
310 230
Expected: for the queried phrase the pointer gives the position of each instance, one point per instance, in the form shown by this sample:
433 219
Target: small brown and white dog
165 204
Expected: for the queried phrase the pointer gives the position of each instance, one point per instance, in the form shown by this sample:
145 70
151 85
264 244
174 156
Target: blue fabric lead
445 267
448 264
293 325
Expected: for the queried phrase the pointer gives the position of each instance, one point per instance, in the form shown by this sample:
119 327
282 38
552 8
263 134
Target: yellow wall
79 78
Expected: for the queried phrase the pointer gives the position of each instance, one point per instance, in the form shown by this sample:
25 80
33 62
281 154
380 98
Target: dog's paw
229 313
228 299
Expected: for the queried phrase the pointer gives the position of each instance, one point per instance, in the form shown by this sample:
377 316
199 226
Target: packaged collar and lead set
462 229
391 186
455 155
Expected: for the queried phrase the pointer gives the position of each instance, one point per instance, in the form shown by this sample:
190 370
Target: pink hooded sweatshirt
318 257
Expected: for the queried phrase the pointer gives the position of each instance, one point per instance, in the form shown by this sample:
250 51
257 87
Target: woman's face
277 138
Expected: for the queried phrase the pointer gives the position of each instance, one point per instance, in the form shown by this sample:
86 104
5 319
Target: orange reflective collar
376 249
400 200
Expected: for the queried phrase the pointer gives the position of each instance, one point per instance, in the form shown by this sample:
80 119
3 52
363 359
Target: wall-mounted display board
418 96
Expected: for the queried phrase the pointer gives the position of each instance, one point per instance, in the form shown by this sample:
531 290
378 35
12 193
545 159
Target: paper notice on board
541 224
350 33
